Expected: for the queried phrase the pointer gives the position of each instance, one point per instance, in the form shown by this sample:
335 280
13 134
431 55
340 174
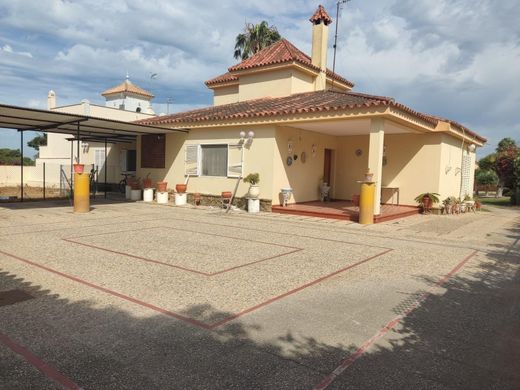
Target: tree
254 38
12 157
39 140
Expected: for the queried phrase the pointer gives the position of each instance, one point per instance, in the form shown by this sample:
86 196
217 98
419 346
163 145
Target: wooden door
327 167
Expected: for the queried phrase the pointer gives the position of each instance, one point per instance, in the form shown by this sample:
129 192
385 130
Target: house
125 102
285 115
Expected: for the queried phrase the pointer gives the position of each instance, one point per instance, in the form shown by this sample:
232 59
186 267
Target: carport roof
30 119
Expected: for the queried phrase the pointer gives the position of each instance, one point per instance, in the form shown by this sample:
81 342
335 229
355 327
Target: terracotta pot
147 183
135 185
181 188
227 194
427 202
197 198
161 186
355 200
78 168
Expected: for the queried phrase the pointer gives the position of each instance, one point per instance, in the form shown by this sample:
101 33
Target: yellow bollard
366 203
81 193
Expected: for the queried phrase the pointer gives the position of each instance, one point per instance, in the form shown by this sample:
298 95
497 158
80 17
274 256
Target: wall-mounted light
290 146
250 136
314 150
84 146
472 148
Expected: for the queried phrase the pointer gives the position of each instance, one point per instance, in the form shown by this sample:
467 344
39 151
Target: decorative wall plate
289 160
359 152
303 157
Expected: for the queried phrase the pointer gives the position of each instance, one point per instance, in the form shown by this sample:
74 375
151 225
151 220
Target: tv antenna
338 7
168 102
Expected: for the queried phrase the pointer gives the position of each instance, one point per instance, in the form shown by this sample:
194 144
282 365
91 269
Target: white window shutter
191 161
235 160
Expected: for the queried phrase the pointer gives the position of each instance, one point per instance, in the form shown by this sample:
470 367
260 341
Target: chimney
51 100
320 36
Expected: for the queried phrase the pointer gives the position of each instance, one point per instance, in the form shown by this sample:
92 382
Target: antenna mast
338 5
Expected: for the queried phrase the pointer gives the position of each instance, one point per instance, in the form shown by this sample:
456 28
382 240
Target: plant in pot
78 168
254 190
147 182
181 188
427 200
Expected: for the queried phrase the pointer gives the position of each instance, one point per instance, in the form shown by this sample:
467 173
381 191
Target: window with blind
153 151
214 160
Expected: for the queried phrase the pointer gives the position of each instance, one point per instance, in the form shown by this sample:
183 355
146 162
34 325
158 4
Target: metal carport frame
82 127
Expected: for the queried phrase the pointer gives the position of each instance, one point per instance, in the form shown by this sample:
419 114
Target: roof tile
127 86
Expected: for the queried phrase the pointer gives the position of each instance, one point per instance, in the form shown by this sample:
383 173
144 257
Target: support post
43 181
106 163
375 158
71 166
77 147
21 165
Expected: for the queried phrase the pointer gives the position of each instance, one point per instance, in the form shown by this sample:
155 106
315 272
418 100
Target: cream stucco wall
275 83
225 95
303 178
413 162
258 157
350 167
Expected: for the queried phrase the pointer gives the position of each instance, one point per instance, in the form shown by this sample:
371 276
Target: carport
80 127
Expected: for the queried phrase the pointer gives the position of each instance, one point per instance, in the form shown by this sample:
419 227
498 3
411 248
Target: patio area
344 210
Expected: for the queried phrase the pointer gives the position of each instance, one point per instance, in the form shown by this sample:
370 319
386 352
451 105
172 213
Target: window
153 151
220 160
214 160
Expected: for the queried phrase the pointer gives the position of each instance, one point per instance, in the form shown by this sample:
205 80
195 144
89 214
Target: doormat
11 297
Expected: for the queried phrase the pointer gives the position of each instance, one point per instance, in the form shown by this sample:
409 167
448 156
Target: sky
459 59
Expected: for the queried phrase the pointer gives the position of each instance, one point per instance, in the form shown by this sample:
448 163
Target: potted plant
78 168
427 200
254 190
181 188
147 182
161 186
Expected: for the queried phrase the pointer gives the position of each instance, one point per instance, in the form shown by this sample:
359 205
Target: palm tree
254 38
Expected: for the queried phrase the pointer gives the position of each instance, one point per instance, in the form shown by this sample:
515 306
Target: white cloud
456 58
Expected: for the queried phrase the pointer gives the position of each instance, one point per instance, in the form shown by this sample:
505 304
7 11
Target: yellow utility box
81 193
366 203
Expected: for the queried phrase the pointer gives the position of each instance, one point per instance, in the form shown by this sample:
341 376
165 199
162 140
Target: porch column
375 157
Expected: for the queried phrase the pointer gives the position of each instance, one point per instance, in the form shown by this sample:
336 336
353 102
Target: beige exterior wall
350 167
451 167
225 95
274 83
303 178
258 157
413 162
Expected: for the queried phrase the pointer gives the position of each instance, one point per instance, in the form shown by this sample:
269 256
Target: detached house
285 115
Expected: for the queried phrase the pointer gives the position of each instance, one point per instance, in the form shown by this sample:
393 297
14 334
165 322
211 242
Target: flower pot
427 202
147 183
254 192
161 186
78 168
227 194
181 188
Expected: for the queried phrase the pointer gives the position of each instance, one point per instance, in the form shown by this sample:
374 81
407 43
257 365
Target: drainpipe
462 163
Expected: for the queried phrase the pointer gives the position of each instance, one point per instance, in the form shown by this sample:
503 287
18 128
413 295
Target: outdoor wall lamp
250 136
472 148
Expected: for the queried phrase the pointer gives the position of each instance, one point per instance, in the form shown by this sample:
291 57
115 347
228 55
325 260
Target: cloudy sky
455 58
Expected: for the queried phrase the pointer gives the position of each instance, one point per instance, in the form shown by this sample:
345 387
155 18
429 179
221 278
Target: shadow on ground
466 337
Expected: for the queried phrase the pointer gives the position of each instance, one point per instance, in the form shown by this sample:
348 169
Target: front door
327 167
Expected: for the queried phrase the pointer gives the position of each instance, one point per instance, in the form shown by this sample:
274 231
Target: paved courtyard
134 295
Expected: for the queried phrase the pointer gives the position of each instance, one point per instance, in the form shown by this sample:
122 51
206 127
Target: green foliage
12 157
254 38
252 178
487 163
433 196
506 144
486 176
39 140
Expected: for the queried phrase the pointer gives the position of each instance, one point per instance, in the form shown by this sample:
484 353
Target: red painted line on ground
44 368
208 274
349 360
314 282
111 292
179 316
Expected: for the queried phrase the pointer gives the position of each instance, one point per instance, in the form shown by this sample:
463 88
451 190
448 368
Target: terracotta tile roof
279 52
308 102
321 16
127 86
223 78
462 128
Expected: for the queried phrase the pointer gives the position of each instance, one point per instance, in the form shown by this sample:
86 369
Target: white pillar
375 157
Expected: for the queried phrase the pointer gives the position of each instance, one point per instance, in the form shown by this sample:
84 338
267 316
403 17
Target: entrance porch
344 210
